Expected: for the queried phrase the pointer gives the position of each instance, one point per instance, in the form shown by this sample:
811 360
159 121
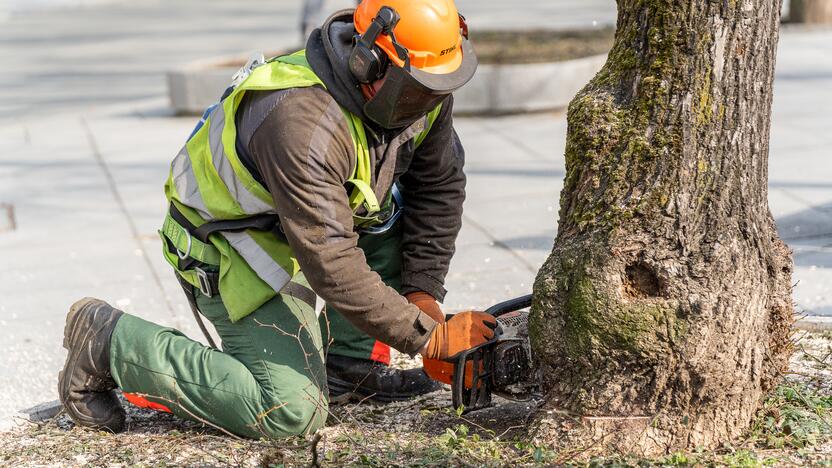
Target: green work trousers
384 256
269 380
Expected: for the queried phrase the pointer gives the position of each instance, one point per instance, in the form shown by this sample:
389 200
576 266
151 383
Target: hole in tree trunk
641 281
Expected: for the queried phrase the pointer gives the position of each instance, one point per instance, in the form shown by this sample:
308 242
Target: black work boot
85 386
357 379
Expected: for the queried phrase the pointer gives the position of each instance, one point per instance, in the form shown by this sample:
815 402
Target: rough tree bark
663 314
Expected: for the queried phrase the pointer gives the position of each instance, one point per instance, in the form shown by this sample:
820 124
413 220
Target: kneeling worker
336 170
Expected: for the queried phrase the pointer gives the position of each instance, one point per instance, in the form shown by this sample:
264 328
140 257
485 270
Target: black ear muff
367 61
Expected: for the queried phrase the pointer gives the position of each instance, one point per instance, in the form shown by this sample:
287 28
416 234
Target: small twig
191 414
812 356
313 447
802 374
795 340
507 431
488 431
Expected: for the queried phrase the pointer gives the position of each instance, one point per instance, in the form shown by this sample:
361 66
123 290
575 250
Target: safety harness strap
209 280
262 222
183 243
189 293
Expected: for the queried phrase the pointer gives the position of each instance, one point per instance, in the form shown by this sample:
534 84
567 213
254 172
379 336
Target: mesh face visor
408 93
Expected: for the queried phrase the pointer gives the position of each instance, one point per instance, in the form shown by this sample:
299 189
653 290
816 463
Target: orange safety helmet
420 49
428 29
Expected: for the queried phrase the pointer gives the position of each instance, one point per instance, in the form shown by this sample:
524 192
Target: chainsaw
502 366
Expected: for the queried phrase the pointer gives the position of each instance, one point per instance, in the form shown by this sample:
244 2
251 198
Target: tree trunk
663 315
811 11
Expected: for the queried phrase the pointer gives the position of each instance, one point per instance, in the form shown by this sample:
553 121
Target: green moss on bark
612 125
601 320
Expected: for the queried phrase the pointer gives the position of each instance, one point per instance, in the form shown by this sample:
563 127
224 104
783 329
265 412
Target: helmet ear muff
367 61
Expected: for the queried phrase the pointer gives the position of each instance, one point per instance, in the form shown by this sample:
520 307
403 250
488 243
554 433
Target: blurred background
94 101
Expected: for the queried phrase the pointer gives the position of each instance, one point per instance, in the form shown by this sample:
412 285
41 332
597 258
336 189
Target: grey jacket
296 142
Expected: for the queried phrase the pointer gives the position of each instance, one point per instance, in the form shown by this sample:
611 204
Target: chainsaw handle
510 305
497 310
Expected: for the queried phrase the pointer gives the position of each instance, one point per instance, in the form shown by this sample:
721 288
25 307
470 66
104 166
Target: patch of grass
457 446
735 459
793 416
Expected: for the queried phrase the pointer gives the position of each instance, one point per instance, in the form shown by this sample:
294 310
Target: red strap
143 402
381 353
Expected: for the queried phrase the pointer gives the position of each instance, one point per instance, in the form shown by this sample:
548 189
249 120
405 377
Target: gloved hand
463 331
427 304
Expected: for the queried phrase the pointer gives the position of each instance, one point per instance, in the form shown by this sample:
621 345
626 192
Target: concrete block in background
198 85
495 89
506 88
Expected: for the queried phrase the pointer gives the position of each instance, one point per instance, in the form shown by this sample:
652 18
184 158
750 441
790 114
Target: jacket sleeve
434 189
304 153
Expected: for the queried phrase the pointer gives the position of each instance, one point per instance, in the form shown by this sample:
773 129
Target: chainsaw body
502 366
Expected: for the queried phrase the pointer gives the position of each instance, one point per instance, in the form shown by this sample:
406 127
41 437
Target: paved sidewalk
800 168
85 144
78 60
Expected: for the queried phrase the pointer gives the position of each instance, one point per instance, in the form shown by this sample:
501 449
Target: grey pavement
80 59
86 140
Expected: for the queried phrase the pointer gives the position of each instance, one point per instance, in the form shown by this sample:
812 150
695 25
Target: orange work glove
427 304
480 328
463 331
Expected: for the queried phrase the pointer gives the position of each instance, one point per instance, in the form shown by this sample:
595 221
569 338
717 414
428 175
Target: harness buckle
187 253
204 283
398 205
254 61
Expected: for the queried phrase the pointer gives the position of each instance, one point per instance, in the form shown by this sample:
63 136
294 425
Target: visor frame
447 83
396 103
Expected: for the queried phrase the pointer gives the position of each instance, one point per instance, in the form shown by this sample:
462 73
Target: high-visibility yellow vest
208 183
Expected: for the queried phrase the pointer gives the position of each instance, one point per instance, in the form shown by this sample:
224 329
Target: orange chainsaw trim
143 402
443 371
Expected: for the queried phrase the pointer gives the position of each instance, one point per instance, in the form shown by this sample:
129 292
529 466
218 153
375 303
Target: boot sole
346 392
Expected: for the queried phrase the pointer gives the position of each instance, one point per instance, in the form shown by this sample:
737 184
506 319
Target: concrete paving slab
73 239
485 287
100 56
813 292
784 166
43 411
507 220
801 213
140 166
541 136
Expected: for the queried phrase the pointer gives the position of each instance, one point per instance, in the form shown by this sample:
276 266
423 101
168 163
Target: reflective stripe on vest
208 182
